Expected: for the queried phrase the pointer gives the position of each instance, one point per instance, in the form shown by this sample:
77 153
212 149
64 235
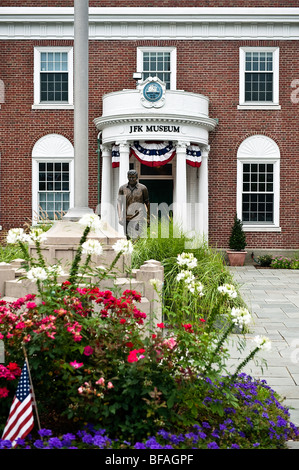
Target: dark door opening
160 191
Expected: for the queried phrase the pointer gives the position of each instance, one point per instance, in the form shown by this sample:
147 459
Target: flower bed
258 422
94 359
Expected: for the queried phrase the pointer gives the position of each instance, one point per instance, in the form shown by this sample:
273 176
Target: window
53 189
258 184
259 78
52 177
258 193
158 62
53 77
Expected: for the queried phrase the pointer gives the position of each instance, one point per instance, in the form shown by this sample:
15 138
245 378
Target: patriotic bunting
193 157
115 156
157 154
153 153
20 420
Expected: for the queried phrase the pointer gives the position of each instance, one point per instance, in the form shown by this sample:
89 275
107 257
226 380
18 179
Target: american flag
20 420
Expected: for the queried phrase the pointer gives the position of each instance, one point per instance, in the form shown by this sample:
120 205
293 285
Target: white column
124 166
203 194
107 211
180 215
80 111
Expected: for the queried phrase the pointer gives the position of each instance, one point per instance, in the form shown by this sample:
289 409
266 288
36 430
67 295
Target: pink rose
88 350
76 364
101 381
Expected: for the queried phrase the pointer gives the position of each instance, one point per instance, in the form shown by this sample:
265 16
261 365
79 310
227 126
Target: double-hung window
259 78
158 62
53 77
258 193
53 189
258 184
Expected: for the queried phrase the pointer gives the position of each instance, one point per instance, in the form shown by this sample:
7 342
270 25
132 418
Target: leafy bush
265 260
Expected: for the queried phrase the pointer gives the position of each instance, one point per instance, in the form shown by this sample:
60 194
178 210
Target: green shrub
237 239
265 260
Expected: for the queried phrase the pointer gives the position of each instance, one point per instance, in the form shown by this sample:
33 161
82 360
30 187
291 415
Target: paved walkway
272 296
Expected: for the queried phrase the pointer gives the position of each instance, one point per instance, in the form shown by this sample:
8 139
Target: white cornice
152 23
102 122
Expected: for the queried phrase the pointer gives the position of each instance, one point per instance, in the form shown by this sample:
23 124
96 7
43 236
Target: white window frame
250 156
36 79
173 61
50 148
259 104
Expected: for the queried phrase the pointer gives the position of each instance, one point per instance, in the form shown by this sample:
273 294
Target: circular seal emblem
153 92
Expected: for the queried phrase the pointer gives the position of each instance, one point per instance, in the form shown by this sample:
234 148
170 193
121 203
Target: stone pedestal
63 240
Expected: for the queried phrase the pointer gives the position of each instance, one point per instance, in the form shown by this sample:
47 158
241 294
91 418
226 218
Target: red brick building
228 79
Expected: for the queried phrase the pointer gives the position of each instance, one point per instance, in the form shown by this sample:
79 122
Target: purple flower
139 445
55 443
5 444
45 432
235 446
39 444
213 445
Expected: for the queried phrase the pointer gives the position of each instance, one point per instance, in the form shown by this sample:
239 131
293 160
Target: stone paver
272 296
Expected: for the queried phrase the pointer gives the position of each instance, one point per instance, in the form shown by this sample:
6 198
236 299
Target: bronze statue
133 206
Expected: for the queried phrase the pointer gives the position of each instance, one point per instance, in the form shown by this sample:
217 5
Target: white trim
48 148
36 78
152 23
259 149
173 61
259 105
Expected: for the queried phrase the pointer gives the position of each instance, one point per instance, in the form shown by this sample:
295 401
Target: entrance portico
148 128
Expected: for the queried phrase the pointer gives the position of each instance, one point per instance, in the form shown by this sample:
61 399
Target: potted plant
237 242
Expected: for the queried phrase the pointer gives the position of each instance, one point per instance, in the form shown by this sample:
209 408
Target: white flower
56 270
156 283
186 276
37 235
16 235
124 246
199 288
187 259
241 316
92 247
228 289
37 274
90 220
263 342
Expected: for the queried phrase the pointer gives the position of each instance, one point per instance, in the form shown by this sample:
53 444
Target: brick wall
207 67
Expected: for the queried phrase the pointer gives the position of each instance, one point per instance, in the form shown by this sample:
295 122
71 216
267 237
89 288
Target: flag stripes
20 420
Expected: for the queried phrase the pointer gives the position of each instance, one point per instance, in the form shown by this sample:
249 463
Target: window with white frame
53 77
259 78
258 184
158 62
52 177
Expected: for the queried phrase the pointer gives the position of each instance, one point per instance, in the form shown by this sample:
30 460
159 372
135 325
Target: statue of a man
133 206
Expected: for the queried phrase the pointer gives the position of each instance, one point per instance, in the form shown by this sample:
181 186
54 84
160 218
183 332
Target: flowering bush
93 359
258 421
281 262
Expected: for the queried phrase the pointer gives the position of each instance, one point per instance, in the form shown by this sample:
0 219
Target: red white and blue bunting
193 157
115 156
153 153
157 154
